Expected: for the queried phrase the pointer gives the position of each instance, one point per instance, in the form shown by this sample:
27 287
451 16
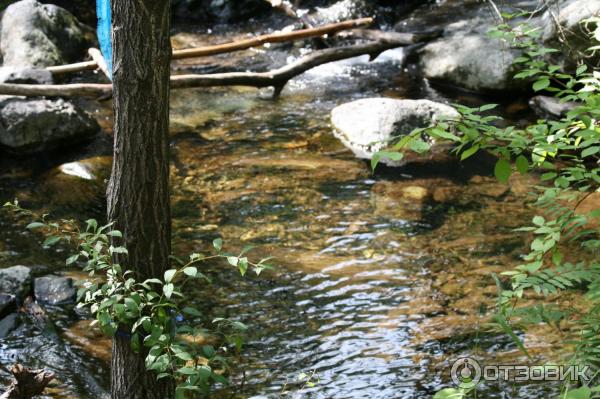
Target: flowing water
382 280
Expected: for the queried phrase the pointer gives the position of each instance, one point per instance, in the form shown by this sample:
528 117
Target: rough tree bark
138 192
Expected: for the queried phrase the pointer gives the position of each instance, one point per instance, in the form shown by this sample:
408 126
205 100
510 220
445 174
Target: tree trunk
138 192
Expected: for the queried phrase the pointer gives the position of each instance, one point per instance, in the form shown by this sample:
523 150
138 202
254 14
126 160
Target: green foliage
453 393
566 154
149 312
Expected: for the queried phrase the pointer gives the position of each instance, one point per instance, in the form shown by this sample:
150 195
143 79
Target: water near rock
369 125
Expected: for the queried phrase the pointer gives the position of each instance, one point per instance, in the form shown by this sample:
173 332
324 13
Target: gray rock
10 74
8 324
366 126
39 35
8 304
550 107
54 290
16 280
31 125
467 57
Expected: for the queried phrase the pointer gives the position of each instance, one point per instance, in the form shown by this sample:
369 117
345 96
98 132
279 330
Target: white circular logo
466 372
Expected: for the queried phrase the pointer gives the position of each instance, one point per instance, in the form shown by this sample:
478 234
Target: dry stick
271 38
276 78
93 90
234 46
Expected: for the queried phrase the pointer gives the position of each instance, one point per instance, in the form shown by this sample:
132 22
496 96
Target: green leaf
168 290
595 214
218 244
169 274
507 328
469 152
92 224
35 225
184 356
191 271
590 151
375 161
233 260
502 170
191 311
541 84
115 233
209 351
187 371
449 393
132 305
444 134
50 241
522 164
72 259
487 107
243 265
419 146
579 393
539 221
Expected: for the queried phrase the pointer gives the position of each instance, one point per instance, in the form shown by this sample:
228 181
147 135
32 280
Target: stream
381 281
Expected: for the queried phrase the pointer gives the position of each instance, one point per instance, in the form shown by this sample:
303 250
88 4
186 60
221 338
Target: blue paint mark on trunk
104 31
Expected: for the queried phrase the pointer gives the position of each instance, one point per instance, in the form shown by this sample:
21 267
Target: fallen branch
28 382
235 46
93 90
276 78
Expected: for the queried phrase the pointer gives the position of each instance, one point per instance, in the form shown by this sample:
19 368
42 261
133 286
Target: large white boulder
368 125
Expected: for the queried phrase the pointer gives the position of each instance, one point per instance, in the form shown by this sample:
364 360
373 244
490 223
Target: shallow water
381 280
